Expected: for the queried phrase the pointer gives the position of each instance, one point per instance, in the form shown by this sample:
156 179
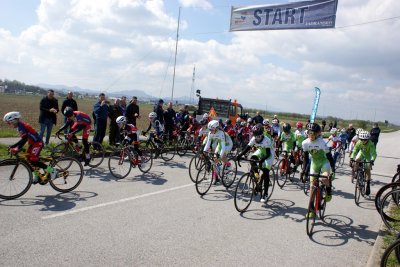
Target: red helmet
299 125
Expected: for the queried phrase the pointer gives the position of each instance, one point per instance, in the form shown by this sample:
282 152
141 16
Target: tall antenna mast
176 52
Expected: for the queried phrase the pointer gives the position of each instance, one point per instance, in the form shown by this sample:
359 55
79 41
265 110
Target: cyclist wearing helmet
156 124
364 150
263 154
267 129
287 138
299 135
128 133
222 140
334 138
343 138
276 128
77 121
28 134
230 129
321 159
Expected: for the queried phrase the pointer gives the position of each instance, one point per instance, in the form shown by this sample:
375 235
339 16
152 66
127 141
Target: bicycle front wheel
322 203
119 163
16 178
244 192
204 179
357 192
167 153
69 174
194 166
391 255
229 173
311 215
282 174
96 151
181 147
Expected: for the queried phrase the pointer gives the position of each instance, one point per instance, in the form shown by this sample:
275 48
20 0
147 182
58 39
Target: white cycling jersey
223 140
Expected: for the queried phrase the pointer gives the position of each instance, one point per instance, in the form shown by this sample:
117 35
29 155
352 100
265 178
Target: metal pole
176 52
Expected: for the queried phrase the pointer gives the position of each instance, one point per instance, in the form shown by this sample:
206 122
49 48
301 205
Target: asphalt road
157 219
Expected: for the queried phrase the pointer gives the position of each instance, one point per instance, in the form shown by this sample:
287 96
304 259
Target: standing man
132 111
159 110
169 118
114 112
68 102
100 110
375 134
48 114
258 118
122 104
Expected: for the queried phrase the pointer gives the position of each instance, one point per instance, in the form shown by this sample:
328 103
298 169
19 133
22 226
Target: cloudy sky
113 45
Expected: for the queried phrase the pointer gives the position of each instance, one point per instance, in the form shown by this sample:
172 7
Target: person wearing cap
100 110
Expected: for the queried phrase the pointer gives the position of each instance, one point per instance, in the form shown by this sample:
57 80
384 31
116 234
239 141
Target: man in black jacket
132 111
169 118
114 112
258 118
375 134
68 102
48 114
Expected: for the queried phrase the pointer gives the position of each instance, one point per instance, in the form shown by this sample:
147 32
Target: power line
367 22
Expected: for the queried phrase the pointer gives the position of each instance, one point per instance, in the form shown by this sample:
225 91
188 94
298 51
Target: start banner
317 14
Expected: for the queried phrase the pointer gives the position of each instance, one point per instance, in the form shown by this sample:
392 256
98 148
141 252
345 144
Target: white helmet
238 120
249 120
364 135
10 116
333 130
120 120
359 130
243 123
212 125
205 116
266 122
152 115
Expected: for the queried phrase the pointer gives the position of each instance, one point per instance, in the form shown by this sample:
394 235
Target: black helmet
286 127
314 127
228 122
160 101
68 112
258 129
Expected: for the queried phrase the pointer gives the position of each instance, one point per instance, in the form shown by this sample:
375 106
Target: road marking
115 202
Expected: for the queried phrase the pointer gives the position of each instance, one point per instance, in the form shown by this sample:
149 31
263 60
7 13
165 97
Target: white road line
114 202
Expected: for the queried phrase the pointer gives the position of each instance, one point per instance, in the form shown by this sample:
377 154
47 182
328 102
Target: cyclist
364 150
299 135
343 138
288 140
263 154
156 124
354 140
28 134
267 129
128 134
77 121
276 128
222 140
321 160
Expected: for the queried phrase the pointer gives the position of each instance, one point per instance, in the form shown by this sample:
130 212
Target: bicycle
391 256
317 202
17 175
396 176
249 185
195 164
298 158
210 172
360 186
185 142
69 148
285 170
123 159
382 192
159 147
389 207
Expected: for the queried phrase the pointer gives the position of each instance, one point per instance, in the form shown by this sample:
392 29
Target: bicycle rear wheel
382 192
306 184
62 150
181 147
194 166
271 186
391 256
281 172
15 180
96 151
167 153
357 192
310 220
322 203
119 163
229 173
146 161
69 174
389 209
244 192
204 178
396 178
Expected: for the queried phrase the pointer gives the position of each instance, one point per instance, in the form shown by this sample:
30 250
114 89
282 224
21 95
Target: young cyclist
156 124
28 134
364 150
299 135
222 140
128 133
354 140
343 138
321 160
267 130
77 121
263 154
288 140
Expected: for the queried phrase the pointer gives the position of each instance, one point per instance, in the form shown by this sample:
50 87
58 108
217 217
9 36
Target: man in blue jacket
100 110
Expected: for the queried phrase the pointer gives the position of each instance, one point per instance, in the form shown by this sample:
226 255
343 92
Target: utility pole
176 52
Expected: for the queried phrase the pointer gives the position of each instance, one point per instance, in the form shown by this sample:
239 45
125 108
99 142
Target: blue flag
315 107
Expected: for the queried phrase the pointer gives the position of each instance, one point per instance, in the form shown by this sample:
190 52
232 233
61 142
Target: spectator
48 114
375 131
68 102
169 118
114 112
323 124
351 132
132 111
122 104
159 110
100 110
335 124
258 118
330 126
276 117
